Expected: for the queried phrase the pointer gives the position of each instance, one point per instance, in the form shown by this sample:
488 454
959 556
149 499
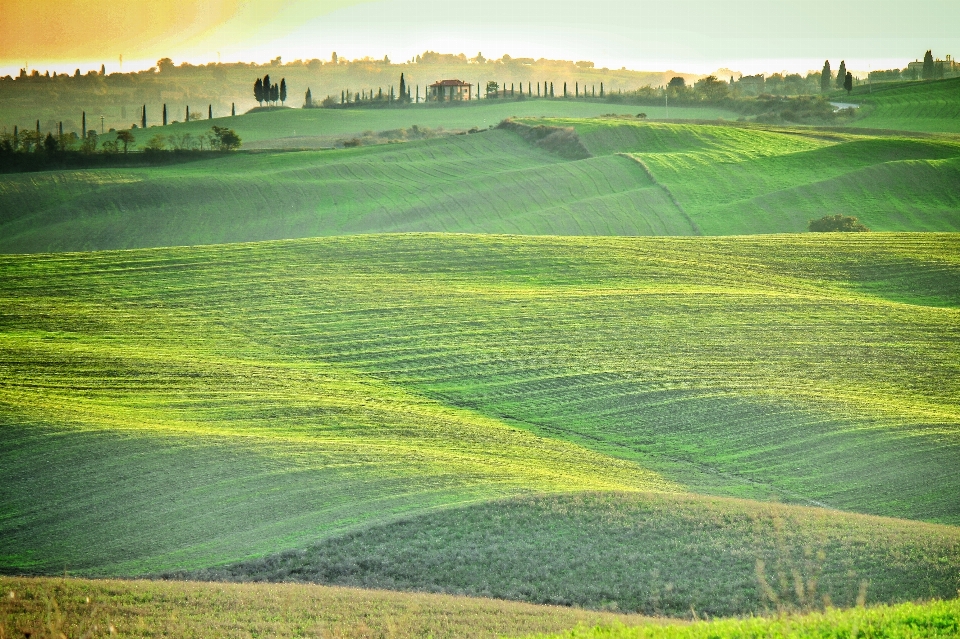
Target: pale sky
697 36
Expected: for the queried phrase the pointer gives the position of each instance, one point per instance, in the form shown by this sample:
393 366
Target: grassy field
184 408
913 106
732 180
275 126
47 607
644 179
651 553
938 619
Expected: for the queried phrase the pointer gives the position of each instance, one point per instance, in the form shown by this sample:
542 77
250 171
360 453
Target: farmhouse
444 90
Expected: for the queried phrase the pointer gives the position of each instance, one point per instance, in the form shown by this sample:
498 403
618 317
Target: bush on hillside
837 223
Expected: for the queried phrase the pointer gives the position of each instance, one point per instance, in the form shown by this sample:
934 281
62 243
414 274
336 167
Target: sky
695 36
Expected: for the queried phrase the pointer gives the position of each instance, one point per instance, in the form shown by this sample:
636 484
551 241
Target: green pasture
326 123
731 180
644 179
911 106
650 553
182 408
49 606
933 620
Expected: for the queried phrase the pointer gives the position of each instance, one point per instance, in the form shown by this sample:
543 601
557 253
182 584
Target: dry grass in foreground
46 607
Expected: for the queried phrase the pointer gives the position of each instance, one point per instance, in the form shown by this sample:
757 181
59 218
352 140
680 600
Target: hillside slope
251 398
644 179
732 180
910 106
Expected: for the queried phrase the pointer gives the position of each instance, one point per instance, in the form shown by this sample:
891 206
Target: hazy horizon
690 36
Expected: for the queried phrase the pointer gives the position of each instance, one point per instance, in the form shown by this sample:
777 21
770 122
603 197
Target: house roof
450 83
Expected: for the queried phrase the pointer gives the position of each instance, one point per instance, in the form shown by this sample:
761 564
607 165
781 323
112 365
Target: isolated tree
564 89
825 77
50 144
283 90
848 82
837 223
233 109
83 132
258 91
103 69
403 88
842 74
225 139
308 99
551 89
209 111
928 68
601 89
187 117
126 138
164 115
143 117
333 58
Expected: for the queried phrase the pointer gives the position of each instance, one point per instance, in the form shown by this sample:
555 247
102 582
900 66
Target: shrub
837 223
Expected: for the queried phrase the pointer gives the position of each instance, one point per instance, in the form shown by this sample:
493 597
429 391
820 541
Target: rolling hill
910 106
298 126
186 408
643 179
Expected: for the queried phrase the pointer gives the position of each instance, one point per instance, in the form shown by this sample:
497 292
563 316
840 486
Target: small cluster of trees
263 91
843 79
837 224
217 139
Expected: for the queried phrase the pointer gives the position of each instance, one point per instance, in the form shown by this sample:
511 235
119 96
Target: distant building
449 90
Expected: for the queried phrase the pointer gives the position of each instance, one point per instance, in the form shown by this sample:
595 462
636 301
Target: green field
264 129
911 106
644 179
48 607
184 408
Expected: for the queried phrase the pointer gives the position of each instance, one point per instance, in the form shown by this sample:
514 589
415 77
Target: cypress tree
928 66
938 70
551 89
308 99
209 111
601 90
511 90
842 74
233 109
848 82
266 88
16 136
258 91
825 77
403 87
143 119
283 90
529 89
538 89
342 94
564 89
164 115
275 93
83 120
577 88
38 126
103 69
188 114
